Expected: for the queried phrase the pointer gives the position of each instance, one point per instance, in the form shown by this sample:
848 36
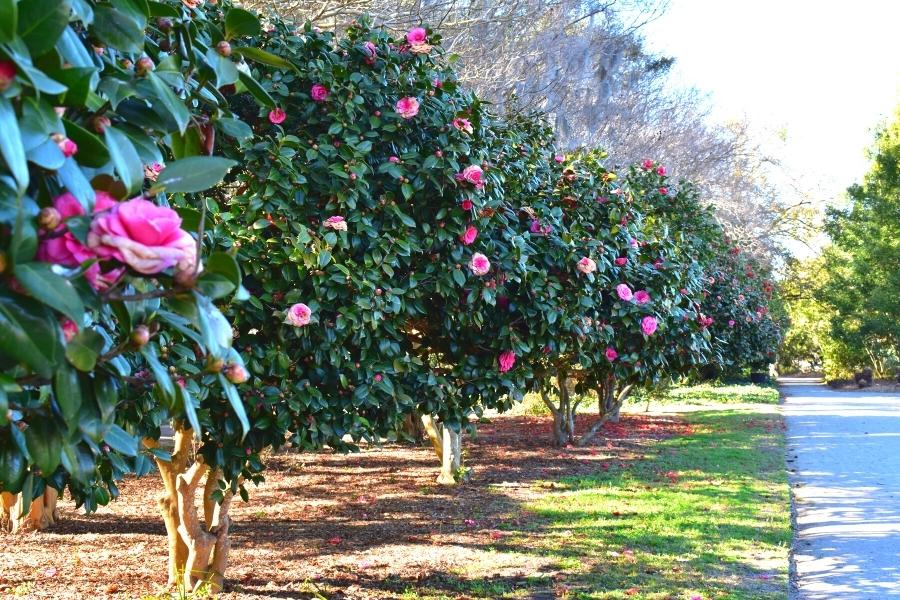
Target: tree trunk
41 514
412 428
563 415
610 406
447 445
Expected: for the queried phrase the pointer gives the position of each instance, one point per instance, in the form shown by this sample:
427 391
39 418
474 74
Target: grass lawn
702 515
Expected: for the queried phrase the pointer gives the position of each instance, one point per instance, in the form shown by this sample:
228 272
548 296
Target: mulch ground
367 525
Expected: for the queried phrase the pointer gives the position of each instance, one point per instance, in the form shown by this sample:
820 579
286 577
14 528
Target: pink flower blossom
559 158
370 49
621 261
469 235
611 354
277 116
648 325
647 164
624 292
151 172
641 297
69 329
336 222
466 204
633 243
658 263
437 83
472 174
235 373
479 265
664 191
661 171
507 360
705 321
602 199
463 125
298 315
586 265
538 229
416 36
319 92
146 237
67 146
62 248
393 159
7 74
407 107
378 377
731 322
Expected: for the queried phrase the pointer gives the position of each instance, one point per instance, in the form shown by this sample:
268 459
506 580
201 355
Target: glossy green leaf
9 19
266 58
172 104
121 441
125 158
92 152
84 349
53 290
45 444
239 22
11 144
67 391
118 29
30 334
194 174
41 22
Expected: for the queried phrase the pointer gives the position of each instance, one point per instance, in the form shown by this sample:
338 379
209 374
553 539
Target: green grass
711 393
700 515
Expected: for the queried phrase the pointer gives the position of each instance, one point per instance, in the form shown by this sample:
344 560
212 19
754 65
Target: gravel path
844 462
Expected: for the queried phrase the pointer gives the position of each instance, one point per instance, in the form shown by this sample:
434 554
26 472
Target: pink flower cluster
463 125
136 233
298 315
407 107
336 222
319 93
506 360
539 229
586 265
417 39
468 236
479 264
648 325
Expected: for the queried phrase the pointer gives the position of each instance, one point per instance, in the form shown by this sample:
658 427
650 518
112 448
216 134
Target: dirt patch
369 525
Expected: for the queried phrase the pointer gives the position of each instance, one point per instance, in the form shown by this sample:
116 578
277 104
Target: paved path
844 457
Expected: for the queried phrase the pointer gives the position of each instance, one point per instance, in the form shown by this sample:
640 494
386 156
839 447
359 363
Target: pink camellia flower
67 146
647 164
416 36
538 229
151 172
731 322
507 360
298 315
336 222
611 354
664 191
463 125
370 48
466 204
393 159
661 171
69 329
479 265
63 248
559 158
472 174
319 92
236 373
277 116
437 83
658 263
648 325
621 261
602 199
683 291
705 321
146 237
633 243
7 74
378 377
586 265
641 297
407 107
624 292
469 235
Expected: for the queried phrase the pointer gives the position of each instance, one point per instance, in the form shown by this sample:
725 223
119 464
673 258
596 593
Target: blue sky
824 72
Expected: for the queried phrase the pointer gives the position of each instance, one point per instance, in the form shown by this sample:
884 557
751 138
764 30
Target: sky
826 73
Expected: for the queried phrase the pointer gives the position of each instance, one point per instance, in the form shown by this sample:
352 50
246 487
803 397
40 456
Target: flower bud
164 24
144 65
100 123
215 365
140 336
235 373
49 218
223 48
7 74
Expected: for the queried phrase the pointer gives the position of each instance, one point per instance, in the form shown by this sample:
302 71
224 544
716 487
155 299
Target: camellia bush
110 114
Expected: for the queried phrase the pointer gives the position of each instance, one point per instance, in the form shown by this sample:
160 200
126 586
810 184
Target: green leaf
30 334
78 82
74 180
83 350
45 444
257 91
9 18
407 190
92 152
171 103
159 371
125 159
225 70
159 9
235 400
11 144
266 58
117 29
4 407
41 22
51 289
67 391
459 277
194 174
188 144
221 273
187 401
239 22
235 128
121 441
